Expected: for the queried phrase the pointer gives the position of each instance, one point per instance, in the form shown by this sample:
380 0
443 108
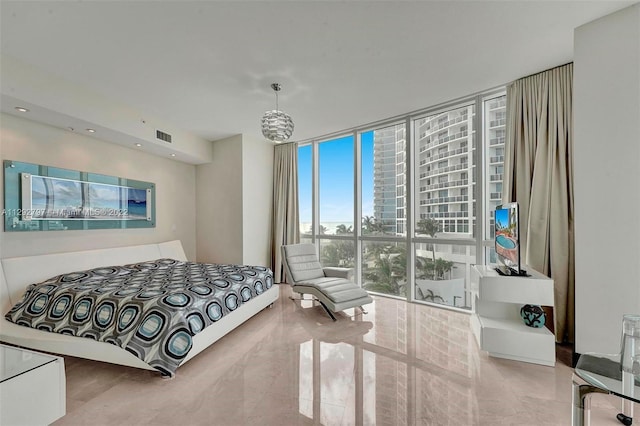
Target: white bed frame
18 272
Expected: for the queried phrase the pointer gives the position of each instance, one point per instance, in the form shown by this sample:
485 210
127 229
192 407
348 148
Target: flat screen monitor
507 239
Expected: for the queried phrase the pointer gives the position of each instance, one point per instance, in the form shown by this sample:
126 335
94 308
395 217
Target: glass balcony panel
441 273
384 267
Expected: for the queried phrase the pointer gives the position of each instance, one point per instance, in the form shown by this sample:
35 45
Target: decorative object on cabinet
533 316
44 198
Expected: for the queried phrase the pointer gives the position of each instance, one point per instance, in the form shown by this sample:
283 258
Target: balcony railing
496 178
499 122
445 200
447 214
448 169
430 144
497 104
497 159
446 154
495 196
459 182
447 123
496 141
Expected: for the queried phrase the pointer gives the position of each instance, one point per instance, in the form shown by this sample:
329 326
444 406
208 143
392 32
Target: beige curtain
286 229
538 175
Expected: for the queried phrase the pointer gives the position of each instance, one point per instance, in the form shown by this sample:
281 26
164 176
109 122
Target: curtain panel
538 175
286 228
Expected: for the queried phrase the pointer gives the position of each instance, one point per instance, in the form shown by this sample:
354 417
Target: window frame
479 166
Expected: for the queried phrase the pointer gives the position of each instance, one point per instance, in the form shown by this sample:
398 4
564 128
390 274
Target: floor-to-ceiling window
409 203
383 248
445 204
336 202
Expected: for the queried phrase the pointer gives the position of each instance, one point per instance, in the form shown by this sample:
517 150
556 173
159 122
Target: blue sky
336 179
502 218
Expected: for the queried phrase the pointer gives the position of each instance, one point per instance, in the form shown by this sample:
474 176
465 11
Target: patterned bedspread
151 309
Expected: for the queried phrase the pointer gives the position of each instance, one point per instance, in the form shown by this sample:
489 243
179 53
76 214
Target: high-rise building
495 122
445 179
389 167
444 154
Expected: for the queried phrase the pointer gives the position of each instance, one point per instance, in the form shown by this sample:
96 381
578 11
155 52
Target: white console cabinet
496 321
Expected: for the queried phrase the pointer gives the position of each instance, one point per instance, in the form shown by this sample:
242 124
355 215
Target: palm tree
342 229
424 268
428 269
323 230
432 296
339 253
371 226
389 274
442 267
367 224
381 277
330 255
429 227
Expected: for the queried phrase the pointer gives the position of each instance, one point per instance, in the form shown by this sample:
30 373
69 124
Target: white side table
496 321
32 387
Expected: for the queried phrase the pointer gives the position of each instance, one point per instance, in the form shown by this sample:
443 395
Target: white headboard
19 272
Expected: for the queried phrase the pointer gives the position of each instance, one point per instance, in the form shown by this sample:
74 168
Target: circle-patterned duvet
151 309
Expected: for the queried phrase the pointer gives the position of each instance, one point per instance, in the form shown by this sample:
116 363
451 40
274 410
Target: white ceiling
206 66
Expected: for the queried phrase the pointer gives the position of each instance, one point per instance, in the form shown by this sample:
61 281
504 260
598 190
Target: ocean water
137 209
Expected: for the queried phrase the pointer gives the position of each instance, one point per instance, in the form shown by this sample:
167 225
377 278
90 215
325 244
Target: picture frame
44 198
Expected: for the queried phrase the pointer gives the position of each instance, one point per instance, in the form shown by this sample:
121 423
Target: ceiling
206 66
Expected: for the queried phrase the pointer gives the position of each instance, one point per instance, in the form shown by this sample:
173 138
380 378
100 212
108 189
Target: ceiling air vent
163 136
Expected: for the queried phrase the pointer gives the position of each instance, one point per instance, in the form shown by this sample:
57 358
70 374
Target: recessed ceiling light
91 130
173 155
138 144
22 109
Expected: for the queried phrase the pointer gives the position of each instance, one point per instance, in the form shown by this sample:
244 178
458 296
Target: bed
16 274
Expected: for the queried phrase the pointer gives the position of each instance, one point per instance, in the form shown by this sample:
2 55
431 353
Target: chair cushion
338 290
303 262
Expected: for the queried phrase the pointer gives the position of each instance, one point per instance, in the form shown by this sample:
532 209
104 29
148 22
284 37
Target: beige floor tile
399 364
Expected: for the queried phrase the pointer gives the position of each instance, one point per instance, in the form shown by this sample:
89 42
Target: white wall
219 204
31 142
1 186
234 202
257 206
607 177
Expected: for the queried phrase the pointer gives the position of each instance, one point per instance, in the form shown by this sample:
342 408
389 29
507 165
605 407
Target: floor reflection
399 364
368 364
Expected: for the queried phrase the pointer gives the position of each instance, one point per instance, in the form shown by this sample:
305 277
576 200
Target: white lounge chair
330 286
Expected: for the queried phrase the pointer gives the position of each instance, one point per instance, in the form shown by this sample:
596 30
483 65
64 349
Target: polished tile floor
399 364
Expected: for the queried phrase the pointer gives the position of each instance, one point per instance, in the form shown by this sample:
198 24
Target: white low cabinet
496 321
32 387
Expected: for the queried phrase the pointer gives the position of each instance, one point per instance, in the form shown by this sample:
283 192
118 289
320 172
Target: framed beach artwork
42 198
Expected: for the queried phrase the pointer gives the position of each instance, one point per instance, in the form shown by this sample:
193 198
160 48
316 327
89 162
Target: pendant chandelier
277 126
